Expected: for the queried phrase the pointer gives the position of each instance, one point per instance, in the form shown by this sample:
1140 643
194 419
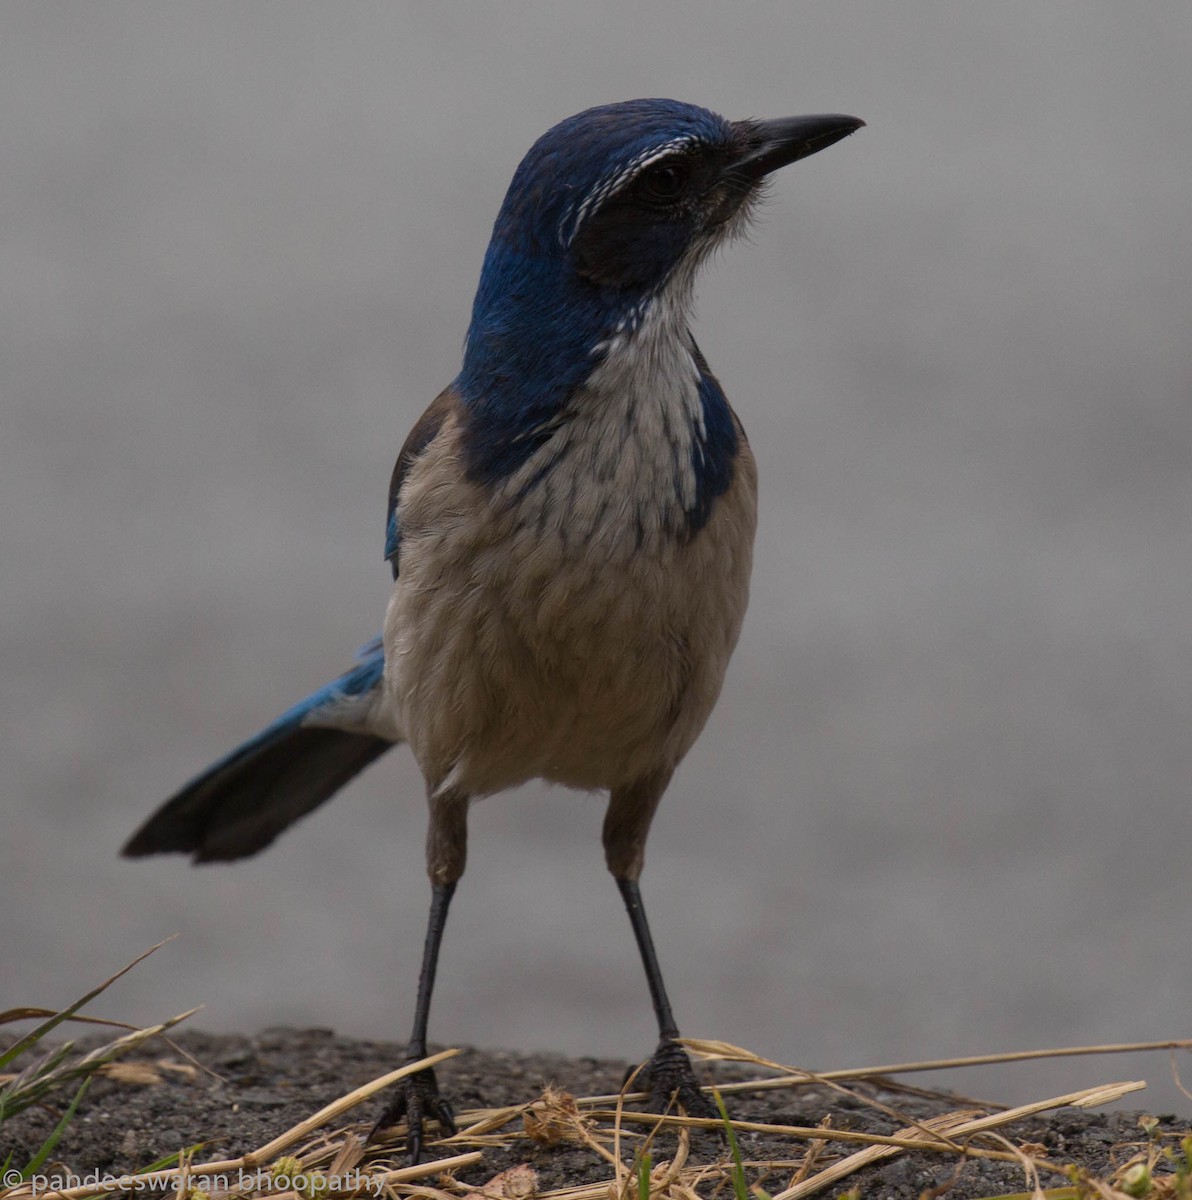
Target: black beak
768 145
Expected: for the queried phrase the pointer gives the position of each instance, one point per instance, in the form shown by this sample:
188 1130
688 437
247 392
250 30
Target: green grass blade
169 1160
47 1147
643 1175
35 1035
740 1187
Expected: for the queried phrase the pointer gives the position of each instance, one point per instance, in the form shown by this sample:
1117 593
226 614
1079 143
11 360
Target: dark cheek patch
618 248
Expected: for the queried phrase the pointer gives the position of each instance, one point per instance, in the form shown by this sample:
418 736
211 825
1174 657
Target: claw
672 1080
416 1100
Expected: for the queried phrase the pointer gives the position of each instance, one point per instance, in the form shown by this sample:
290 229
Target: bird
570 530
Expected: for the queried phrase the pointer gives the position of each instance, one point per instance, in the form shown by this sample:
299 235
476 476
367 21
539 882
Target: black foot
671 1080
416 1100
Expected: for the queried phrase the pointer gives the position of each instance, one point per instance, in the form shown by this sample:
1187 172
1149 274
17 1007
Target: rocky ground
266 1084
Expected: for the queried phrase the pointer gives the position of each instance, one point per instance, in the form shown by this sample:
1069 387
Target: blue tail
242 802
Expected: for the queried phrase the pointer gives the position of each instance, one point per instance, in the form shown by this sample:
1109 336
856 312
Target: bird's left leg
416 1098
670 1074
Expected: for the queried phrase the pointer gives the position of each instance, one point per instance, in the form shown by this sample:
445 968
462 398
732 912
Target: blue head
608 196
610 210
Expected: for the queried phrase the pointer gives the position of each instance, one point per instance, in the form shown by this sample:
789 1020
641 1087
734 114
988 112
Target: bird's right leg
416 1098
669 1073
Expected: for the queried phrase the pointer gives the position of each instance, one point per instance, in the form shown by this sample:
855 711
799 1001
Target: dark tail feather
243 802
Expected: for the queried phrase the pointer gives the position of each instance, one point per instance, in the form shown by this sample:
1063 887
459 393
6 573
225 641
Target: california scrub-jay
570 528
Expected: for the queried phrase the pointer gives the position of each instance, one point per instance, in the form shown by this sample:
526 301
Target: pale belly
515 650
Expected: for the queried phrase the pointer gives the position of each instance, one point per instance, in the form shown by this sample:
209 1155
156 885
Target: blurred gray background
943 806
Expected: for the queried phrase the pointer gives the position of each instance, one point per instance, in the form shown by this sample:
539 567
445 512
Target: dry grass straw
51 1070
311 1162
305 1164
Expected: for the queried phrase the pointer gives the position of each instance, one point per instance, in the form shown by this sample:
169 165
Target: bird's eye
664 183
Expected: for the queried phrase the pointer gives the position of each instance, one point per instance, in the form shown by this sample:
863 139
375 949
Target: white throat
620 467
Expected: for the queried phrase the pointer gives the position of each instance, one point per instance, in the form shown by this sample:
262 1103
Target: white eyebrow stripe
613 183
